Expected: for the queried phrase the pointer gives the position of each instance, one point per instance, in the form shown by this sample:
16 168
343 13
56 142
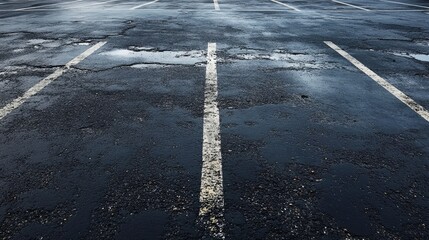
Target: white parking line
351 5
406 4
42 6
382 82
211 194
216 5
42 84
144 4
92 4
286 5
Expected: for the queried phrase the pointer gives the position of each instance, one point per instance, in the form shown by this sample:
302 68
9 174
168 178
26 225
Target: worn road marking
286 5
385 84
216 5
351 5
91 4
83 6
46 81
144 4
46 5
406 4
211 194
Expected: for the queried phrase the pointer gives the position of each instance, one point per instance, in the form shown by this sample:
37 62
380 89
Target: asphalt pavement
214 119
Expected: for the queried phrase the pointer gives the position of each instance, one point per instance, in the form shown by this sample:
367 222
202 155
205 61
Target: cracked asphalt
312 147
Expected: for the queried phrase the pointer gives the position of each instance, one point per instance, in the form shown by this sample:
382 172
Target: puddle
282 59
145 66
134 48
149 55
419 57
276 55
273 57
38 41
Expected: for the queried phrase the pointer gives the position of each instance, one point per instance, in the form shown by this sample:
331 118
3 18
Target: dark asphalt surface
312 147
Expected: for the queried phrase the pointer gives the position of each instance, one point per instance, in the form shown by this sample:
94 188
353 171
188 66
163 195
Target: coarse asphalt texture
312 147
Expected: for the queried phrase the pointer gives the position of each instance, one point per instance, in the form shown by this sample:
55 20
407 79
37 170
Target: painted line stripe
88 5
83 6
211 194
46 5
286 5
382 82
216 5
351 5
46 81
142 5
406 4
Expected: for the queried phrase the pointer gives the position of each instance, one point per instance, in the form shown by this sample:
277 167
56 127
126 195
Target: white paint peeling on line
46 81
211 195
382 82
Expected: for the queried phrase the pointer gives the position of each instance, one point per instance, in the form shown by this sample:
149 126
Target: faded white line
46 81
142 5
382 82
47 5
216 5
351 5
92 4
286 5
83 7
406 4
211 194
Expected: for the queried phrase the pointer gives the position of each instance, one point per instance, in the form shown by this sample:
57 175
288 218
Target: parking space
86 123
214 119
273 173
